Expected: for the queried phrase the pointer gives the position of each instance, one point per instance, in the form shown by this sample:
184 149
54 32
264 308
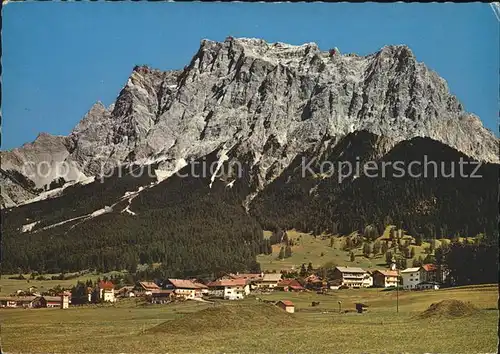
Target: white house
411 277
229 289
106 291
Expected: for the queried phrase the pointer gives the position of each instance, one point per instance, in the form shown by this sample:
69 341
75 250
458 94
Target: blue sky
60 58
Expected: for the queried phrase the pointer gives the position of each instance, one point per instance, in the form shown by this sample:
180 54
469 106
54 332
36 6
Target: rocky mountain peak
272 100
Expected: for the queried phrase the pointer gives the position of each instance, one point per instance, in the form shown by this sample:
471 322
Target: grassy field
318 251
129 327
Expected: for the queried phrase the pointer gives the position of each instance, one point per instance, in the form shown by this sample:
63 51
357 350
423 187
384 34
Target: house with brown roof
161 296
253 278
229 289
286 305
146 288
126 291
313 282
185 288
385 278
289 285
268 281
202 284
106 291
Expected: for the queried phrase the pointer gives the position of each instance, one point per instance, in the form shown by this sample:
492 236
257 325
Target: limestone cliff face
269 101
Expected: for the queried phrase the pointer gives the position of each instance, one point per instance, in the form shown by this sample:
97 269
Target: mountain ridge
271 100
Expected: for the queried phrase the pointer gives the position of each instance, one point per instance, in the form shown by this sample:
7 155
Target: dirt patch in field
449 308
227 317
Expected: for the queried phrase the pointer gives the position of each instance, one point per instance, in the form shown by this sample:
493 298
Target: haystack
226 318
450 309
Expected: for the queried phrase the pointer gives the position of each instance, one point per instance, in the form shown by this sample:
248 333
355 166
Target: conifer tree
366 250
282 253
388 257
303 271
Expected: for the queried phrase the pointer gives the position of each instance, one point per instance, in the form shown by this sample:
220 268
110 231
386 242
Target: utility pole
394 267
397 291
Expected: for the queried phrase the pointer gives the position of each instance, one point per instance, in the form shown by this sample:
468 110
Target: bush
18 277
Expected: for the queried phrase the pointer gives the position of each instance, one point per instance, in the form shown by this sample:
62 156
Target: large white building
229 289
352 277
411 277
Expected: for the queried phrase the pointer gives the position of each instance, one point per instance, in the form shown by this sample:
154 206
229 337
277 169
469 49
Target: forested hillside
432 207
190 228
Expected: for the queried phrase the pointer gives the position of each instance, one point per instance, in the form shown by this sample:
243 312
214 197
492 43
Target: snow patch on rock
29 227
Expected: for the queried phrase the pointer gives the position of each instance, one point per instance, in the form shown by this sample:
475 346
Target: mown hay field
253 326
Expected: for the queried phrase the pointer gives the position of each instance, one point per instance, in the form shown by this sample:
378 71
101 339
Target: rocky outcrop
269 101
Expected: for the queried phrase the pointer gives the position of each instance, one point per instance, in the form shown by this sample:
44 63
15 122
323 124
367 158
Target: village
235 286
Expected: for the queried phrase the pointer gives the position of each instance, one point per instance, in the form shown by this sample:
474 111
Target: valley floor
125 327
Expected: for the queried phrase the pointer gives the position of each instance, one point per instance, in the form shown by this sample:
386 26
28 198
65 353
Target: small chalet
314 282
185 288
269 281
146 287
286 305
106 291
289 285
162 296
253 279
385 278
201 284
126 291
229 289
